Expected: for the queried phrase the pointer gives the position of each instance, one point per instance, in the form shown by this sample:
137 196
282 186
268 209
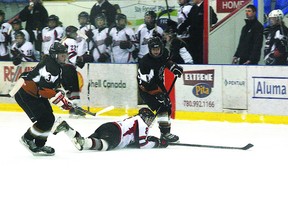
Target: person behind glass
151 85
144 32
182 15
251 39
35 15
17 27
51 33
41 87
101 53
105 7
195 20
177 47
5 31
121 40
276 43
22 50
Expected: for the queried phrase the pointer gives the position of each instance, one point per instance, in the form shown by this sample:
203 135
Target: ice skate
78 141
35 150
169 138
60 125
74 113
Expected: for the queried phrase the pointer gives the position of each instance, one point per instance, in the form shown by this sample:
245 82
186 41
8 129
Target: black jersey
151 71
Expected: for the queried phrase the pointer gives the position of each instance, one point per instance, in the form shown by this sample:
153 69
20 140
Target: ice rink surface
176 181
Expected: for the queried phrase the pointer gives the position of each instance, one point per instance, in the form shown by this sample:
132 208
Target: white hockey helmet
277 14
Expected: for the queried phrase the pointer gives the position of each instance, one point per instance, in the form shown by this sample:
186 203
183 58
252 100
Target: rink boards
204 92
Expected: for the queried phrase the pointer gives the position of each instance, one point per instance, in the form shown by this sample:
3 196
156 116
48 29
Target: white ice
176 181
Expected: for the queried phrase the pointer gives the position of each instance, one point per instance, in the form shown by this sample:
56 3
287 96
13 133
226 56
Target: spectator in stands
35 16
251 39
5 29
177 47
276 43
195 20
105 7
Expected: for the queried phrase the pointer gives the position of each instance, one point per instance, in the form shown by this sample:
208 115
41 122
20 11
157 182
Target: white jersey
49 36
83 45
26 50
5 29
142 35
119 55
98 39
72 48
13 33
129 127
182 16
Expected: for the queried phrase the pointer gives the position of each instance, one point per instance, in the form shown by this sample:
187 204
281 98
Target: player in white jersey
101 52
5 31
85 46
53 32
146 31
70 74
122 39
130 132
22 50
16 27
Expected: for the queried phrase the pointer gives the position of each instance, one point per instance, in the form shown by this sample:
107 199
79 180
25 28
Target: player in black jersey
39 89
151 85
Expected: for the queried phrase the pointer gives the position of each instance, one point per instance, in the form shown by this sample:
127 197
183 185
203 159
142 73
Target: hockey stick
107 109
246 147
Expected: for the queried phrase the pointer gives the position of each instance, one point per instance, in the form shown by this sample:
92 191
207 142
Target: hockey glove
176 69
108 41
163 99
104 57
125 44
89 34
61 101
16 61
135 53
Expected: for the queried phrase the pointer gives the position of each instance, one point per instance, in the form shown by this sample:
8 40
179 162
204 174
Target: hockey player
101 53
151 85
40 86
5 31
122 39
53 32
130 132
276 44
177 47
16 27
70 76
22 50
144 32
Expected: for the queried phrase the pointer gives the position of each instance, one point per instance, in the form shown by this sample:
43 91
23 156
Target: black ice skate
74 113
169 138
35 150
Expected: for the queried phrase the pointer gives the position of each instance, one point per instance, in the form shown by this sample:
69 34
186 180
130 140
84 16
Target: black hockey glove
89 34
79 62
104 57
108 41
163 99
135 53
156 34
125 44
176 69
16 60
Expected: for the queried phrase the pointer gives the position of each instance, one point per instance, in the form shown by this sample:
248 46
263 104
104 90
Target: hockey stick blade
248 146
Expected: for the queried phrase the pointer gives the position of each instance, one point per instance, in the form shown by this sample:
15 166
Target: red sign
228 6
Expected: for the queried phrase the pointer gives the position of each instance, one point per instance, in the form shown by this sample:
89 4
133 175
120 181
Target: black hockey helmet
121 17
20 38
147 115
150 22
19 34
53 18
57 48
16 21
100 16
71 31
83 14
155 42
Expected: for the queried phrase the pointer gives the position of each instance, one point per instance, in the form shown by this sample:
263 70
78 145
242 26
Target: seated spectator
177 47
5 29
22 50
